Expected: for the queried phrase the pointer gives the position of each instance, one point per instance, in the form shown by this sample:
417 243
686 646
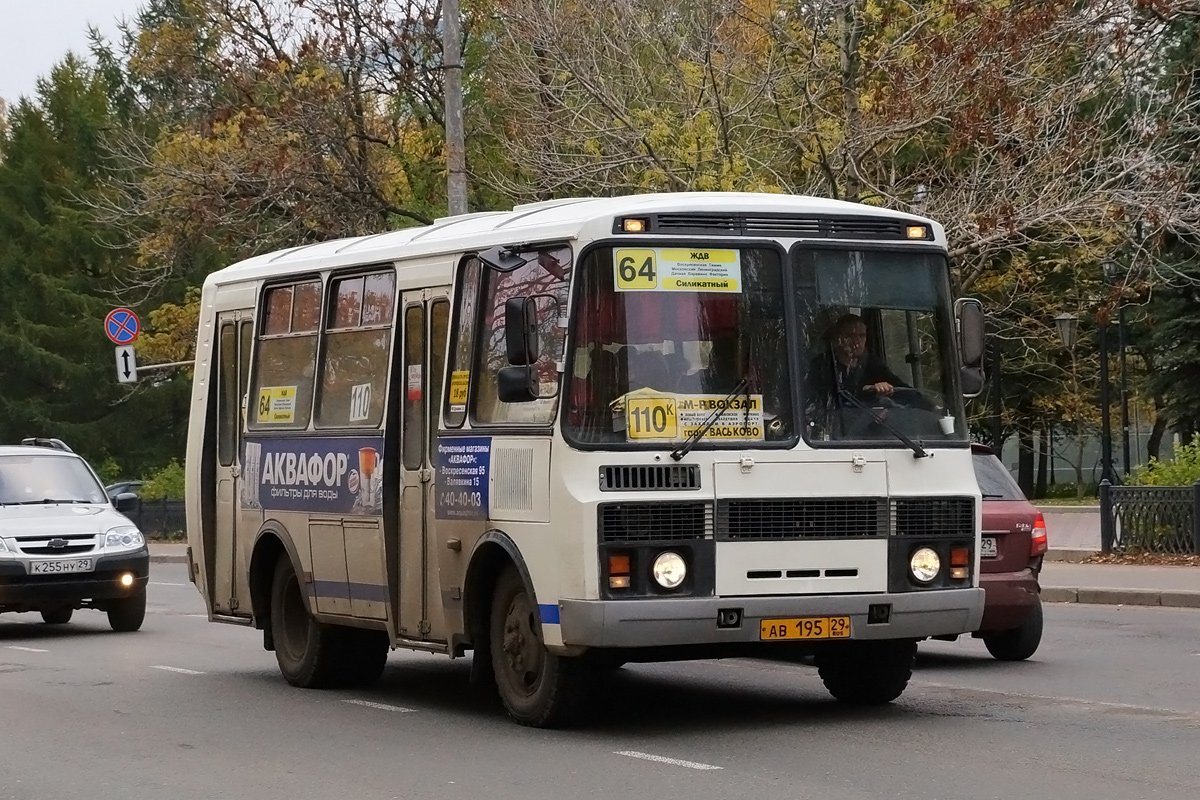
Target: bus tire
866 673
57 616
307 651
364 656
538 688
127 614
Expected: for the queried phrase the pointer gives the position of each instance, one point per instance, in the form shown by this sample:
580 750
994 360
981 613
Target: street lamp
1067 325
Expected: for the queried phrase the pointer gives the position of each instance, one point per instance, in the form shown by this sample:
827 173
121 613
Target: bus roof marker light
917 232
634 225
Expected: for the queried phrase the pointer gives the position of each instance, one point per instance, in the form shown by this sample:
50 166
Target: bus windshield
664 335
878 346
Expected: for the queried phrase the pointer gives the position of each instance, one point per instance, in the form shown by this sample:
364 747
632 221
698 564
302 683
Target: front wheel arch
494 551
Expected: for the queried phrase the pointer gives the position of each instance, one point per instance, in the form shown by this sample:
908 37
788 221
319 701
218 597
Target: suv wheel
126 615
1019 643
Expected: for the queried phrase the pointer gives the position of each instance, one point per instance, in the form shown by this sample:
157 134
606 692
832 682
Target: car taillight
1038 544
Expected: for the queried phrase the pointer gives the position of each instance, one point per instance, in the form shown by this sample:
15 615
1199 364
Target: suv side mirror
521 331
971 345
127 502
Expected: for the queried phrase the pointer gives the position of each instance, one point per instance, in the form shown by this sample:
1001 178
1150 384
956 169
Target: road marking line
197 616
664 760
158 583
180 670
27 649
380 706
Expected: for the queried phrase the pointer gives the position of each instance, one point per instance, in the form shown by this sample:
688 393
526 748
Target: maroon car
1014 541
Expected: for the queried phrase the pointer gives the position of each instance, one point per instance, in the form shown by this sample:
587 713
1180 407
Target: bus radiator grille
654 522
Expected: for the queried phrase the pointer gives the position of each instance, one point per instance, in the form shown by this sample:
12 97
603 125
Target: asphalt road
1108 708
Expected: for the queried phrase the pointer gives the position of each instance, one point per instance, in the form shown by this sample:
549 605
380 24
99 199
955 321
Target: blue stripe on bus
549 613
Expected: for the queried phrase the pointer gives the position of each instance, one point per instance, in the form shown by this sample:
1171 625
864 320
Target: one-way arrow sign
126 364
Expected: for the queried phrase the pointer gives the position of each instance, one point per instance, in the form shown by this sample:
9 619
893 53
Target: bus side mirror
517 384
520 331
971 345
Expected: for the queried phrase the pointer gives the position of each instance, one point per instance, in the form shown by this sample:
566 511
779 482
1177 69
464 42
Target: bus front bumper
693 621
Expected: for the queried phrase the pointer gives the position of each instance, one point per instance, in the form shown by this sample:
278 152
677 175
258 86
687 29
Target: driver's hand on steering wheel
883 387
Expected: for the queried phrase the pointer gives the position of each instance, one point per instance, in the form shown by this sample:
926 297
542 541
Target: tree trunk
1080 486
1154 443
1025 460
1043 462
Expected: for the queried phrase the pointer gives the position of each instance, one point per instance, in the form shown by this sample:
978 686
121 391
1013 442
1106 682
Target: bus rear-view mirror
521 331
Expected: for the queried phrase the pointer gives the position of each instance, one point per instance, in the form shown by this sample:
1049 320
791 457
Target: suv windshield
47 479
662 337
878 346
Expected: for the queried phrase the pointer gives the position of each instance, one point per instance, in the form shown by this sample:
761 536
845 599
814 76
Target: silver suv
63 544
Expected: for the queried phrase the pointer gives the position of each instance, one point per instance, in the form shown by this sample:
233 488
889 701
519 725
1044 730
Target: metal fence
1150 519
158 518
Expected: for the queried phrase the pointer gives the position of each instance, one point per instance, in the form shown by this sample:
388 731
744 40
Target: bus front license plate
770 630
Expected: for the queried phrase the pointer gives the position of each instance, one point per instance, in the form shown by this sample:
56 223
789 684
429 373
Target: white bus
592 431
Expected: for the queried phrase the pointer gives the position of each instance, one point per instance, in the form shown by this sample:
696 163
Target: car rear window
995 482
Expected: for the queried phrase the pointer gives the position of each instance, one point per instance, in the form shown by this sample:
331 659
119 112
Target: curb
1068 555
161 558
1119 597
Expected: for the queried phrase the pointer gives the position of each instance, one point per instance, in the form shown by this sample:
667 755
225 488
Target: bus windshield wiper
918 451
698 434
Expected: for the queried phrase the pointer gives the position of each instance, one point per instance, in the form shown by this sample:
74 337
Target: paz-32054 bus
592 431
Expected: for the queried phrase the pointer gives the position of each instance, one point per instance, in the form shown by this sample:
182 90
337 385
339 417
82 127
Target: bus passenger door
235 334
426 326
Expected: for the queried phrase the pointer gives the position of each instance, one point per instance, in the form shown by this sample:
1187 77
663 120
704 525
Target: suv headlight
124 536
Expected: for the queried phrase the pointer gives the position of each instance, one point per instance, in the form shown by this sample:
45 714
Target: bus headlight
925 564
669 570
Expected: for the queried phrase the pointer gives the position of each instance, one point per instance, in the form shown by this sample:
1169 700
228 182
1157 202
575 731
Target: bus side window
462 348
357 341
282 391
439 330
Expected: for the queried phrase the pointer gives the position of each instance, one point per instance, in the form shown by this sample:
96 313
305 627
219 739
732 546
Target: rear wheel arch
270 542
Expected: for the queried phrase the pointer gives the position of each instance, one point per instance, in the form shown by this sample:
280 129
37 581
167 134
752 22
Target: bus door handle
236 470
426 475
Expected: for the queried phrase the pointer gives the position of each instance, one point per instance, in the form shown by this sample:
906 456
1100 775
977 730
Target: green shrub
1182 470
167 482
108 470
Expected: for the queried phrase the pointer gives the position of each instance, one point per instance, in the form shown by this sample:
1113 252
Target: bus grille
802 518
649 477
654 522
933 516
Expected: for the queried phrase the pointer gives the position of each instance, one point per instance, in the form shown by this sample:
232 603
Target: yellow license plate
804 628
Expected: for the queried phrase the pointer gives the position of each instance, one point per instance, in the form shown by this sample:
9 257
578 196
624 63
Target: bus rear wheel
537 687
307 651
866 673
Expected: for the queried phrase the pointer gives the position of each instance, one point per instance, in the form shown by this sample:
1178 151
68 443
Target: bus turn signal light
634 225
1039 542
959 556
618 571
917 231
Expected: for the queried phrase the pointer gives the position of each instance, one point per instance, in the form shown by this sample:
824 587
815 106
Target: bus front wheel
537 688
866 672
306 650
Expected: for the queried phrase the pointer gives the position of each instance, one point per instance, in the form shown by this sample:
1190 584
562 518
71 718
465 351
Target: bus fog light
669 570
925 564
